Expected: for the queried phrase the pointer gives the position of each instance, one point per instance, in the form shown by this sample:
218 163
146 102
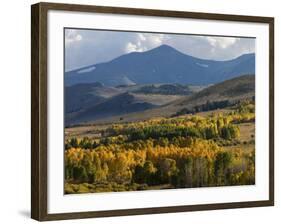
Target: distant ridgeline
86 103
163 64
165 89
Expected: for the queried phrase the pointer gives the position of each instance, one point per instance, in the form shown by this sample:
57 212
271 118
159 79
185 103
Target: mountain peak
164 47
163 64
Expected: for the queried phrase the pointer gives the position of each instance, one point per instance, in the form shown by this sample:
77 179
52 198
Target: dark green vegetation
205 107
165 89
215 148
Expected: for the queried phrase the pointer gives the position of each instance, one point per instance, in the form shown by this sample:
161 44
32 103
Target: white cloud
141 37
155 39
72 36
130 47
221 42
145 41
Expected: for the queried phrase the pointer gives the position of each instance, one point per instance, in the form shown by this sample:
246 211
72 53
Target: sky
89 47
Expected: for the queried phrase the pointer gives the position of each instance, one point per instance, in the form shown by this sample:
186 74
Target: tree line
202 163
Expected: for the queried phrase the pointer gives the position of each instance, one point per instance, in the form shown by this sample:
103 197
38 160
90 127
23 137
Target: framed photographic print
139 111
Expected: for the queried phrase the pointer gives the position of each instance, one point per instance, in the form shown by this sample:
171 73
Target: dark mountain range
163 64
82 96
124 103
132 106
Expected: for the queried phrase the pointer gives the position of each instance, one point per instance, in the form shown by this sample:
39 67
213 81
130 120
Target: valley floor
206 149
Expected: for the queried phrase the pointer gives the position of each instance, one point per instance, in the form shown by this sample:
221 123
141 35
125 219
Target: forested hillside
184 151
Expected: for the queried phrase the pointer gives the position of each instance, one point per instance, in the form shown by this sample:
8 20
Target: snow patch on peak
202 65
86 70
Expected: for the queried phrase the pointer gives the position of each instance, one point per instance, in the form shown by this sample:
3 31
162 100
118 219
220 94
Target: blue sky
87 47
